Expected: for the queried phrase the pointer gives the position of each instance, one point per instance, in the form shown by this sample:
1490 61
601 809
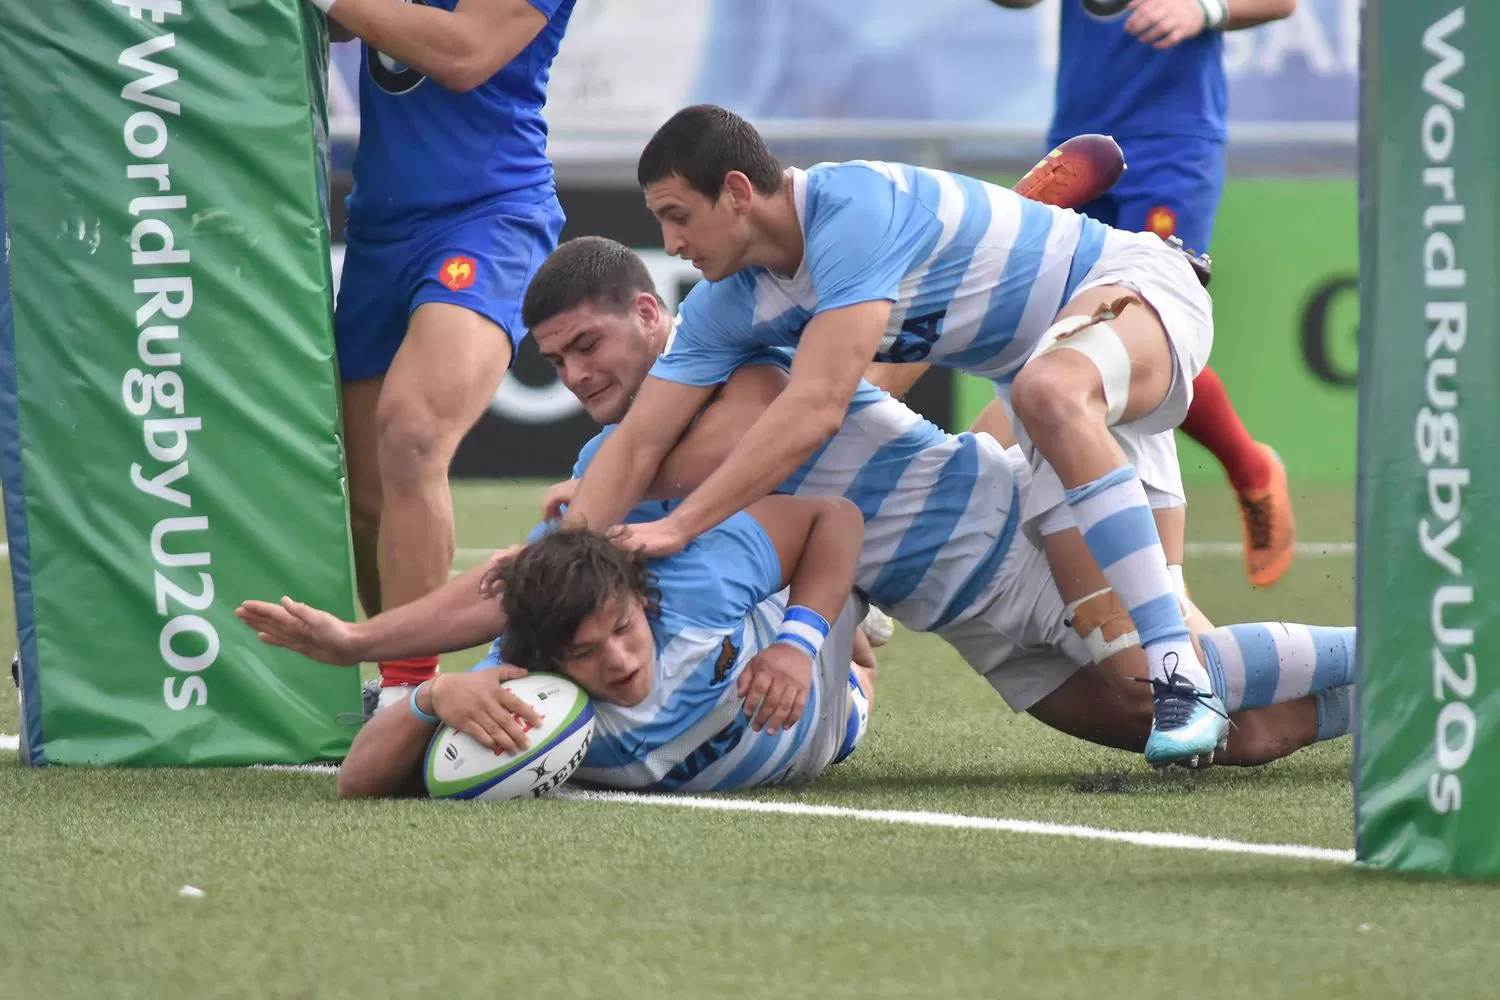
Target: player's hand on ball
557 498
293 625
1164 23
491 581
774 685
652 539
476 704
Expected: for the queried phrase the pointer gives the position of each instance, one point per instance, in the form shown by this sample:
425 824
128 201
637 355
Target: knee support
1094 338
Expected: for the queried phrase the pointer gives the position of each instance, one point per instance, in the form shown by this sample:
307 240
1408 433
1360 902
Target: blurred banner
626 65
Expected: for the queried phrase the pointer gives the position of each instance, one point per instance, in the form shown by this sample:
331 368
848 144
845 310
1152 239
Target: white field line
1307 550
902 817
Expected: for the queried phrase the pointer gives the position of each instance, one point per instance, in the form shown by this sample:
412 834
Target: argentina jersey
719 605
975 273
941 510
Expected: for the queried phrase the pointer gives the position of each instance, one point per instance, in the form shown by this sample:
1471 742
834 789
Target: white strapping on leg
1098 342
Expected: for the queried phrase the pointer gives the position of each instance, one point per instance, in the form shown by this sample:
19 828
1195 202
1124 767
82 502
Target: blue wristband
426 717
804 628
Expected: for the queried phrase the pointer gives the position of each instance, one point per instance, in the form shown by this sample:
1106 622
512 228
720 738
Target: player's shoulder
852 180
719 576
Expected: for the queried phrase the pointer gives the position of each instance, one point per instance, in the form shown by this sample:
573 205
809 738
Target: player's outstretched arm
460 49
831 358
453 617
629 459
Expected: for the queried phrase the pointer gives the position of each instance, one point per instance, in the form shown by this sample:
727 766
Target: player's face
601 355
612 653
710 234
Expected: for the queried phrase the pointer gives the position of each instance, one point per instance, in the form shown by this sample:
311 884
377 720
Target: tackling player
452 210
931 553
687 659
1098 333
1151 74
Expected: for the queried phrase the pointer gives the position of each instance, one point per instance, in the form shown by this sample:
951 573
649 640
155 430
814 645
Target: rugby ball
460 767
1075 173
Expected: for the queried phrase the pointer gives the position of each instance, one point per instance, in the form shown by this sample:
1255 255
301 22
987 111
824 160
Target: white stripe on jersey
940 509
970 302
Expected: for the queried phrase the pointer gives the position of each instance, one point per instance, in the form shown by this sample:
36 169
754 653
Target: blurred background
962 85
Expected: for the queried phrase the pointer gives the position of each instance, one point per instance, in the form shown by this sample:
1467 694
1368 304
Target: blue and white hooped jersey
721 604
941 510
976 273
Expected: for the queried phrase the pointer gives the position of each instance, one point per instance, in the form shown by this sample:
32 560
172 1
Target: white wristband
324 5
1215 13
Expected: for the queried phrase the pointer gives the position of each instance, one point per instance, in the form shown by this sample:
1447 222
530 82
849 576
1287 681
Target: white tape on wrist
324 5
1215 13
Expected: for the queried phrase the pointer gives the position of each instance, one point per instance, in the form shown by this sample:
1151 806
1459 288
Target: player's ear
738 190
647 306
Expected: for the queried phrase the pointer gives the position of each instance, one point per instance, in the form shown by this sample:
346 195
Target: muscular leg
442 379
1066 400
1106 704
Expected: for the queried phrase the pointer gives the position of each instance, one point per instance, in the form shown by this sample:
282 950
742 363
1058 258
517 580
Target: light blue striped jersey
976 273
720 604
941 510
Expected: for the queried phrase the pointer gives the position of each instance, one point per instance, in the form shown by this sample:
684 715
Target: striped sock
1115 519
1335 712
1254 665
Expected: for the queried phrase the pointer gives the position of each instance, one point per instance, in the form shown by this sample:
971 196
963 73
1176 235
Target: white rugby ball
460 767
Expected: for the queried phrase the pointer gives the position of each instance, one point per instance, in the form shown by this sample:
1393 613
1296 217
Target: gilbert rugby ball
459 767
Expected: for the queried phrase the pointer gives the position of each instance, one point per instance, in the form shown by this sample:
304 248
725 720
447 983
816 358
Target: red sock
1212 422
399 673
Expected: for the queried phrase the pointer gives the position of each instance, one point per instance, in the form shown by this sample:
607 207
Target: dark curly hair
558 581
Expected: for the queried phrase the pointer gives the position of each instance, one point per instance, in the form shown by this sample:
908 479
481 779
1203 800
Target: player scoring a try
687 659
1100 331
453 208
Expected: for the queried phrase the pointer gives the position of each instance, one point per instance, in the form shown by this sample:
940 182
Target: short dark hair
701 144
559 580
586 269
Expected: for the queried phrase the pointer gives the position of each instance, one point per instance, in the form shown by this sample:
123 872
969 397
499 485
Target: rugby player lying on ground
934 555
696 662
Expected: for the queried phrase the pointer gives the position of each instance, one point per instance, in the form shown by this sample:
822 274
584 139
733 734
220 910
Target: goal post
1427 750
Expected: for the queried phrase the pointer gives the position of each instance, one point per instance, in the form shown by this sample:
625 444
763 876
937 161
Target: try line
904 817
1307 550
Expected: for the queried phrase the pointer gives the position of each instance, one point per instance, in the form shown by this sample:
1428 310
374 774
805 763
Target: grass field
307 897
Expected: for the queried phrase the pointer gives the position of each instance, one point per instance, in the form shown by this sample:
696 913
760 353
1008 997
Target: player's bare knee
1051 394
413 443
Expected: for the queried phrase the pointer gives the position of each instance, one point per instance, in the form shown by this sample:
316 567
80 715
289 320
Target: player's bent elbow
462 75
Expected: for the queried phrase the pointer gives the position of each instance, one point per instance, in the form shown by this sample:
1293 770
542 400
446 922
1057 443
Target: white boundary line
903 817
1307 550
958 821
